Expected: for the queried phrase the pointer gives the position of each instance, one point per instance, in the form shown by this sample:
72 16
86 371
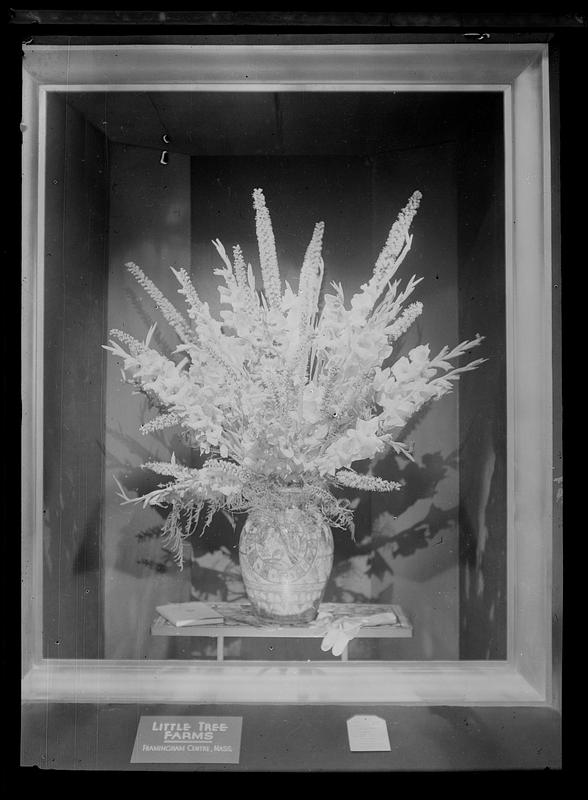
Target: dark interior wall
149 222
76 204
483 457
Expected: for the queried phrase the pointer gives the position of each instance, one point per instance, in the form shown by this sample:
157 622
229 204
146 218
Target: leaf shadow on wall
378 540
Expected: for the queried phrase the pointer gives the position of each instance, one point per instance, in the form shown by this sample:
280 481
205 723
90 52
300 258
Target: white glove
343 630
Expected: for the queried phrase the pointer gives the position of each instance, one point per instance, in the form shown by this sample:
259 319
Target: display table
240 621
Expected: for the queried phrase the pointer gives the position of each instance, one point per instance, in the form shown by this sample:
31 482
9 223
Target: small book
183 614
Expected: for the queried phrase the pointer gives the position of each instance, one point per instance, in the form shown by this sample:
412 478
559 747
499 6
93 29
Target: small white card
367 733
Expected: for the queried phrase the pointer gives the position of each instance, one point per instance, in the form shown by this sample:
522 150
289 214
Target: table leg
345 653
220 648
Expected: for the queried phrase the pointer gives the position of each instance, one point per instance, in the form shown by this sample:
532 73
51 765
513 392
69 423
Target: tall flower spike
396 238
134 345
311 273
193 302
268 256
311 276
404 321
240 266
331 374
367 483
393 254
159 423
171 314
244 283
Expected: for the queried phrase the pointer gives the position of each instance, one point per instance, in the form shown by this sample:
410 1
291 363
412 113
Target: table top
239 620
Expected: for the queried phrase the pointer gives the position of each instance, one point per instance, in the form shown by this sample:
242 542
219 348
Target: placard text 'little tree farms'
188 740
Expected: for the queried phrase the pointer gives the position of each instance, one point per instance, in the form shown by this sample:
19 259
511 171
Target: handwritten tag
176 740
367 733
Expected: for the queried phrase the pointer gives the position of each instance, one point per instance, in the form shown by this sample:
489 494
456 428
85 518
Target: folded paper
183 614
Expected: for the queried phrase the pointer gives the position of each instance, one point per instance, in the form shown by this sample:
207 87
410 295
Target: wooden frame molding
520 72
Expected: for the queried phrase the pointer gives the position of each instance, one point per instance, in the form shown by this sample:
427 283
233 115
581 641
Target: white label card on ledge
367 733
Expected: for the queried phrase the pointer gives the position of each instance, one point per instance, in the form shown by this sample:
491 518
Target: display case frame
521 72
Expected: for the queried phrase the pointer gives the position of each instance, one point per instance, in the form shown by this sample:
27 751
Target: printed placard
367 733
198 740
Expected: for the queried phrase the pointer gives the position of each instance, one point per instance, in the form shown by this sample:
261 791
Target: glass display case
147 154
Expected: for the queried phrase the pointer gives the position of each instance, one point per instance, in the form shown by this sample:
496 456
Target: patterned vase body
286 558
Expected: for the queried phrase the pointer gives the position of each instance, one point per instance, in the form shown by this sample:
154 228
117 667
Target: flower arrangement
284 390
